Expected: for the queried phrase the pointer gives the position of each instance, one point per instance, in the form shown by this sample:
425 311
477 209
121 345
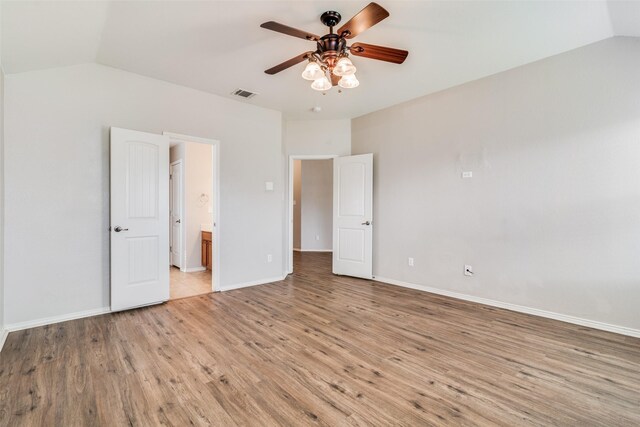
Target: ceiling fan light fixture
349 82
344 67
322 84
312 71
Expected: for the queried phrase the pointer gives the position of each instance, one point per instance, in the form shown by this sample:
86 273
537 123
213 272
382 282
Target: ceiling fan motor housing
330 18
330 46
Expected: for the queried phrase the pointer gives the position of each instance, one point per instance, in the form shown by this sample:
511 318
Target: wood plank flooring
318 349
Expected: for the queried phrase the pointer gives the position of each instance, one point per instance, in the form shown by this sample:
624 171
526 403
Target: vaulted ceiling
218 46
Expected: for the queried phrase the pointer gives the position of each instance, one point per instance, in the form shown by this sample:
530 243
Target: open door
175 212
353 215
139 219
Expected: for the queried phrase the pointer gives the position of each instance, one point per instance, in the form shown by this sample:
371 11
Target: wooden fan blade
290 31
380 53
366 18
286 64
335 79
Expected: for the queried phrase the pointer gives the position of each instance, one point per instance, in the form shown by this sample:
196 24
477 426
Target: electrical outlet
410 261
467 174
317 237
468 270
269 258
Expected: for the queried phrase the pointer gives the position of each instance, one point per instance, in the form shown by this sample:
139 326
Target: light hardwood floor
188 284
317 349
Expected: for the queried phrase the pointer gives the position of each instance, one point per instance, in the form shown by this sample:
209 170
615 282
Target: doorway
311 207
194 219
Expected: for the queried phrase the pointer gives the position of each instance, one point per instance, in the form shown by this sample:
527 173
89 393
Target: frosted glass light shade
312 71
344 67
349 82
321 84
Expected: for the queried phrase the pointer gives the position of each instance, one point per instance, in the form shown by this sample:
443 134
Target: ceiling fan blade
380 53
366 18
286 64
290 31
335 79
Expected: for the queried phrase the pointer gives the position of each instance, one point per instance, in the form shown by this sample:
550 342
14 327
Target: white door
353 215
175 212
139 219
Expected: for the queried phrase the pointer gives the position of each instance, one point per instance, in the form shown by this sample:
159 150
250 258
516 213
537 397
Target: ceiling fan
329 65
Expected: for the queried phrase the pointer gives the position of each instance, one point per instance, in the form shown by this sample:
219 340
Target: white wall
297 207
57 187
550 219
317 205
2 299
317 137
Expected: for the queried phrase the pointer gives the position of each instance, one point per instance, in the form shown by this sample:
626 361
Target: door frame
215 216
183 255
292 158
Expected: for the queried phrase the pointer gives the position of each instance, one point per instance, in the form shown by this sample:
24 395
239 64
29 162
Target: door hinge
170 248
170 176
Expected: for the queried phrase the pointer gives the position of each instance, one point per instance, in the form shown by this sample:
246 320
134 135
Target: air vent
243 93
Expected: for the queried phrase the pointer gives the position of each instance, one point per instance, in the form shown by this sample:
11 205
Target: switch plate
268 186
410 262
269 258
468 270
317 237
467 174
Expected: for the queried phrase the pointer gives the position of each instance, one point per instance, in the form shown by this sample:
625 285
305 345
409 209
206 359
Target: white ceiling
218 46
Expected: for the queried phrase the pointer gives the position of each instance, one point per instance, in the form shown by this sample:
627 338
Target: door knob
178 221
118 229
366 223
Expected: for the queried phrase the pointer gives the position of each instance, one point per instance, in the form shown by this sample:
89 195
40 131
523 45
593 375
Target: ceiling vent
243 93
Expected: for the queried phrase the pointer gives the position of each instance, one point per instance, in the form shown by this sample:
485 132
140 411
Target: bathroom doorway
193 206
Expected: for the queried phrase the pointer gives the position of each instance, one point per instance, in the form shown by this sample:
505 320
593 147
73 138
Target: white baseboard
313 250
56 319
297 250
3 337
519 308
193 269
252 283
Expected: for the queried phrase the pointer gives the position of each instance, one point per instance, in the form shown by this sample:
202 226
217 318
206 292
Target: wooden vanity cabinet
207 250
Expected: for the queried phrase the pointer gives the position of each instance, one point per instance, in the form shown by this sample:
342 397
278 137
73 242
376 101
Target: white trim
215 220
313 250
252 283
514 307
178 137
297 250
183 249
193 269
290 199
56 319
4 333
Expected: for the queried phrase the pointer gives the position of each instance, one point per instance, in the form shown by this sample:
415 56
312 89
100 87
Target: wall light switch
468 270
268 186
467 174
